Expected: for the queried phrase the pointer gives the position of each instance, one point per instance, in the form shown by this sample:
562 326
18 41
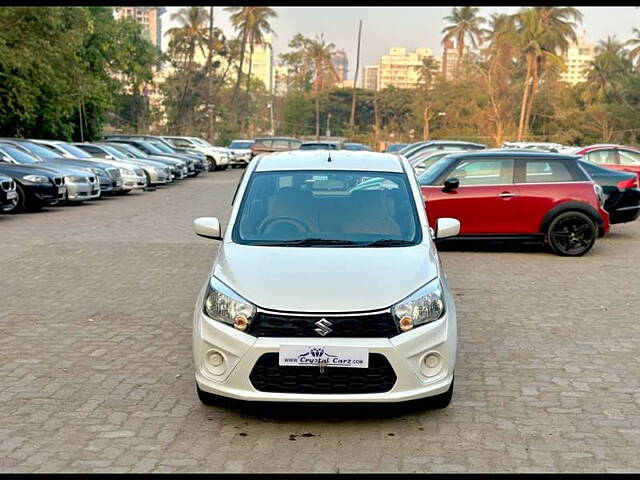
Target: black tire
571 234
442 400
212 165
211 399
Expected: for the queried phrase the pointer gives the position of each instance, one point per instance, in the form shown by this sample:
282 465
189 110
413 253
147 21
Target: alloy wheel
572 234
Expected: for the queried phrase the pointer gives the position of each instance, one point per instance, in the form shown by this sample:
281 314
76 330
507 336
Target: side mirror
447 227
450 184
207 227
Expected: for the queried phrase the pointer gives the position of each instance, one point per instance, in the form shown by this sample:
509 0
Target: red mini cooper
500 195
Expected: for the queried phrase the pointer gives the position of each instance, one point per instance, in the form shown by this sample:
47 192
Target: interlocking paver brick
96 371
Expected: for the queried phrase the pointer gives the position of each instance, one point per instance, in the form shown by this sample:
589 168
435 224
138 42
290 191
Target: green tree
464 23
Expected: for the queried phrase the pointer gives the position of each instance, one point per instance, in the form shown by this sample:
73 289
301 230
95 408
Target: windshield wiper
307 242
388 242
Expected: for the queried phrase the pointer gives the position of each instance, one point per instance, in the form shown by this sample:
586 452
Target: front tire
213 166
571 234
19 204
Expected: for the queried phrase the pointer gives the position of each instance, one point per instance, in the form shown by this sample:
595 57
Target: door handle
507 195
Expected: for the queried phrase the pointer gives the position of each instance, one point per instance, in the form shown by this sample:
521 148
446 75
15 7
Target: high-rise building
450 59
261 62
370 77
148 17
576 60
401 69
341 64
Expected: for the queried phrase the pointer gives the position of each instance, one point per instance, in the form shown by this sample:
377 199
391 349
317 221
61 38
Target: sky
410 27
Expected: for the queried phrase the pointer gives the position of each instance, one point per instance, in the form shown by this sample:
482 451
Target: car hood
13 170
324 280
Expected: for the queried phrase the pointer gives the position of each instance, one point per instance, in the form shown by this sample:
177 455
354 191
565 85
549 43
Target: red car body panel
491 210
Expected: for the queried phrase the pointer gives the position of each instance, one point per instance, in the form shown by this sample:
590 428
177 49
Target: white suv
327 286
219 158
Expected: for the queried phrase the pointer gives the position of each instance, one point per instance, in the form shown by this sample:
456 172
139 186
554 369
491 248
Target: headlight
226 306
126 171
425 305
75 179
36 178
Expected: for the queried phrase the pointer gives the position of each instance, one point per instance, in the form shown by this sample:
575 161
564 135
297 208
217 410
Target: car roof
511 153
340 160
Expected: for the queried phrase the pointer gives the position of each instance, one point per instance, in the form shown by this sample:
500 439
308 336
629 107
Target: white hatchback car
327 286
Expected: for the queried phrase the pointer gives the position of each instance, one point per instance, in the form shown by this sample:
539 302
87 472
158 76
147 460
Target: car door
544 183
629 160
487 202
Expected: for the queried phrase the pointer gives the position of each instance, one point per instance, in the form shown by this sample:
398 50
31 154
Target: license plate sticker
12 195
323 356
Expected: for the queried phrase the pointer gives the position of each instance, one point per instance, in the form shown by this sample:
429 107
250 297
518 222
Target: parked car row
35 173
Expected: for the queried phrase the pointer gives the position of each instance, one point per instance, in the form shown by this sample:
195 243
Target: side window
547 171
294 145
279 143
601 156
483 172
92 149
266 143
628 157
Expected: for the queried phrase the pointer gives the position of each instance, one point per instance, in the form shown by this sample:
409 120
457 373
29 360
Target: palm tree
606 72
634 43
315 55
251 23
427 72
544 33
464 23
187 38
258 26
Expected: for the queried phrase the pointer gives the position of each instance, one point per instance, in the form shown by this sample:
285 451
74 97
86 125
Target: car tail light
630 183
253 147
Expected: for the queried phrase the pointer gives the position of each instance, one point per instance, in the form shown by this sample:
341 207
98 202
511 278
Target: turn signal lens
240 323
406 323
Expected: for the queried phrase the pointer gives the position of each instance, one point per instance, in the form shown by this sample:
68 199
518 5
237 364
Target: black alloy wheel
212 164
572 234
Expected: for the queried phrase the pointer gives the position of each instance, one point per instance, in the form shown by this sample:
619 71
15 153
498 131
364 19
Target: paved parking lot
96 371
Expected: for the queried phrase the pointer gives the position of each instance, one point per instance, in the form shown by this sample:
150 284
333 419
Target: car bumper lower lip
404 352
79 192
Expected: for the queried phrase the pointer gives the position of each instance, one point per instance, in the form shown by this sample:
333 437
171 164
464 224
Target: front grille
268 376
379 325
58 181
113 173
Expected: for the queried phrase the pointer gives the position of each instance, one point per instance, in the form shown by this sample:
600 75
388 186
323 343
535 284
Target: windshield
136 152
39 151
396 147
318 146
204 143
240 144
161 146
72 150
431 174
152 148
348 208
114 152
18 155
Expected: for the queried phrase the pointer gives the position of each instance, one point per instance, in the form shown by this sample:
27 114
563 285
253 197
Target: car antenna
329 156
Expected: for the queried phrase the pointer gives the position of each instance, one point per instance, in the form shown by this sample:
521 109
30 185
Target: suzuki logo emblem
323 327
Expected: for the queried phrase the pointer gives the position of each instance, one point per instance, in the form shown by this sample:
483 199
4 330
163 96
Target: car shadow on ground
300 411
503 246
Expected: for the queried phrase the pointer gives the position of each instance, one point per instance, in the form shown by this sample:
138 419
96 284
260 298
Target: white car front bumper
404 352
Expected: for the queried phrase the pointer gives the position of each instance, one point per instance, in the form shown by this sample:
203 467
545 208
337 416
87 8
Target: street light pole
328 126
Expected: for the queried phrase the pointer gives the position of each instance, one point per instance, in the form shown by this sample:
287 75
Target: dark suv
274 144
